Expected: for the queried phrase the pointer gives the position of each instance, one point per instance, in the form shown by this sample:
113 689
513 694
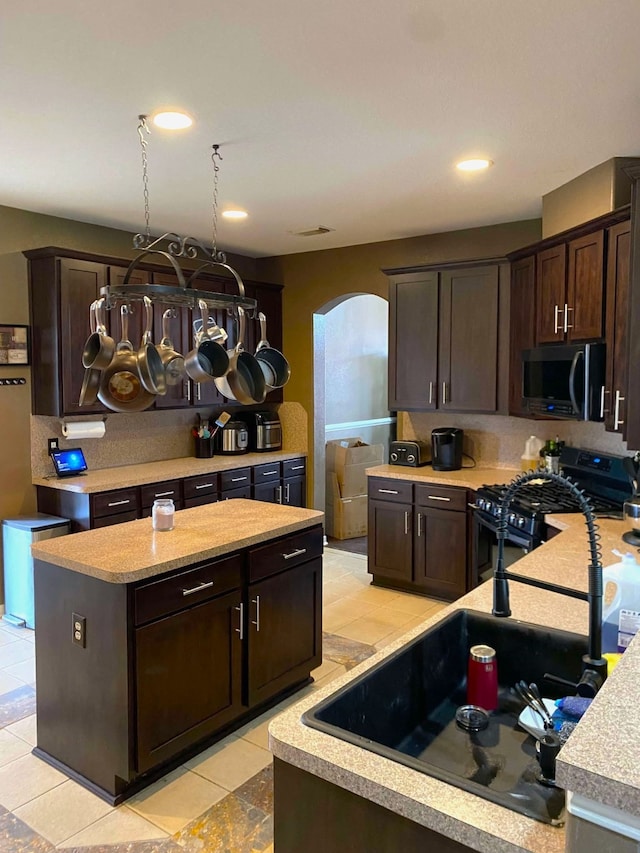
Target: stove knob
520 521
481 502
512 518
411 458
394 457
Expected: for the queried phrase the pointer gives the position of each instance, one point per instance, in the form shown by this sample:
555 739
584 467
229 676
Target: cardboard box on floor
345 518
348 459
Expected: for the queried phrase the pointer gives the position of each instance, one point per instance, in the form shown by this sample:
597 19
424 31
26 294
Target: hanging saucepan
244 381
100 347
91 378
208 359
273 364
120 387
172 361
150 366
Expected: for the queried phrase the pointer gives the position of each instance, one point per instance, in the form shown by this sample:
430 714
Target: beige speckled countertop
104 479
469 478
603 768
132 551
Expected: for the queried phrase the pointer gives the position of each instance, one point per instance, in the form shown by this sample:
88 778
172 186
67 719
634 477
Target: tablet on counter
69 463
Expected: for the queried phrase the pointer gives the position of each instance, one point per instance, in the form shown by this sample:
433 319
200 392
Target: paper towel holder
73 430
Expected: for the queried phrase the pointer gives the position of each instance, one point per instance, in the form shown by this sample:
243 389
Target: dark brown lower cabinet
194 655
418 537
284 644
316 816
173 662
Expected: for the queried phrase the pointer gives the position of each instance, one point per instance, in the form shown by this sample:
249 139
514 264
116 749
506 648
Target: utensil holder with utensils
203 447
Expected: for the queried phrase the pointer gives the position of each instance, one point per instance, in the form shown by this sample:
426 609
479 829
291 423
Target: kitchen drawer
164 596
266 473
442 497
242 492
117 518
294 468
235 479
195 487
390 490
119 501
285 553
202 500
171 490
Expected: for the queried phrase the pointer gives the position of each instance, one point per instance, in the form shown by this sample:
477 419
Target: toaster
411 453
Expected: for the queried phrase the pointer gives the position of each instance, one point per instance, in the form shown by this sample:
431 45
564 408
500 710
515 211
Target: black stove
602 477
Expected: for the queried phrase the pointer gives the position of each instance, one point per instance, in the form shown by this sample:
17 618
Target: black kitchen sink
404 708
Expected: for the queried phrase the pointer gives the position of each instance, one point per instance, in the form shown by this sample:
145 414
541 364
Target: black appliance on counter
602 477
446 448
411 453
265 430
233 438
564 381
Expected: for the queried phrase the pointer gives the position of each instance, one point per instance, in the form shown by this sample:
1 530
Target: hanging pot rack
184 294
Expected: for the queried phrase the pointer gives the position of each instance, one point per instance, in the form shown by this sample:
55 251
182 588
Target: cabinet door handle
119 503
406 522
419 524
616 412
163 494
278 494
437 498
266 474
297 553
204 486
444 393
567 326
256 622
286 493
430 393
603 391
199 588
187 390
389 491
297 468
240 630
198 393
238 479
556 326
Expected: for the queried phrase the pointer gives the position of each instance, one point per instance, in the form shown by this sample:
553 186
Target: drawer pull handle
119 503
163 494
389 491
266 474
240 630
297 553
199 588
238 479
204 486
438 498
256 621
297 468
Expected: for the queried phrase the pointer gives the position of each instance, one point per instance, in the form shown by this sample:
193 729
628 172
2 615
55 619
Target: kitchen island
357 792
153 644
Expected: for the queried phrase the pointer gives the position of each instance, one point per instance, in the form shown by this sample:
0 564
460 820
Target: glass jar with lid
162 514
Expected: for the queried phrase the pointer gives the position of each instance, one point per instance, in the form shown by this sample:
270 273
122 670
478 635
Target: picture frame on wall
14 345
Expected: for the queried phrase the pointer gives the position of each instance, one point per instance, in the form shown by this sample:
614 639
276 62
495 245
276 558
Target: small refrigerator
18 534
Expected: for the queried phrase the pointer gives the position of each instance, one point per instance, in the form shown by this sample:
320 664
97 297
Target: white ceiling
343 113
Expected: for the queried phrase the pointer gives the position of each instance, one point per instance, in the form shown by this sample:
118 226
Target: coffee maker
446 448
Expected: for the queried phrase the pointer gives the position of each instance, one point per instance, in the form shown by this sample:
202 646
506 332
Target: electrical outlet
79 630
52 444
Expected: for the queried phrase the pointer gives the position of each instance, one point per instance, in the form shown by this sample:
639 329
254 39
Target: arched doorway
350 345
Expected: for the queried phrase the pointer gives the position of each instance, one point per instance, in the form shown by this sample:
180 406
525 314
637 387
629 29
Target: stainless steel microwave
564 381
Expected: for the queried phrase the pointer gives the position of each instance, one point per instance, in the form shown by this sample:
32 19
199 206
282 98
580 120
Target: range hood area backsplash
152 436
498 441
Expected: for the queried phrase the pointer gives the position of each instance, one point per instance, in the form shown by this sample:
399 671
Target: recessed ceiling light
473 165
172 120
235 214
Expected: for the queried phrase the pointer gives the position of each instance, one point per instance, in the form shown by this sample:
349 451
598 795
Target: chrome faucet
594 666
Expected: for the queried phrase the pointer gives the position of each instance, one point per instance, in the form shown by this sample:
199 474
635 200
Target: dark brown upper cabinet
522 326
446 344
615 392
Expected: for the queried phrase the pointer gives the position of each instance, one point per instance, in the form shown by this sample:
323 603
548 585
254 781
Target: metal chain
142 128
216 170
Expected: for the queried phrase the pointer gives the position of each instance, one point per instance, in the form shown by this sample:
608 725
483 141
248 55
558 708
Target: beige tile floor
68 816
